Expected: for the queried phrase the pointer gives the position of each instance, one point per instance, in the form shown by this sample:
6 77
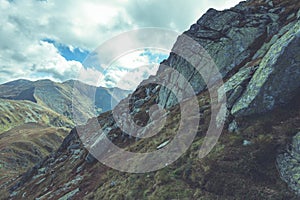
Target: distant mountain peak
59 96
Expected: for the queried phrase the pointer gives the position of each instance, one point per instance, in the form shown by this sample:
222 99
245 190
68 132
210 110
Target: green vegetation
14 113
231 171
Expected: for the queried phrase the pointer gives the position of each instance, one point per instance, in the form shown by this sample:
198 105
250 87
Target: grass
15 113
230 171
25 145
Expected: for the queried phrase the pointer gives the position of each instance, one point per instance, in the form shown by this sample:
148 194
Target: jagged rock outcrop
277 79
288 164
235 86
232 38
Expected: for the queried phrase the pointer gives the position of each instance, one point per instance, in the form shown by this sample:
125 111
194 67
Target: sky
50 39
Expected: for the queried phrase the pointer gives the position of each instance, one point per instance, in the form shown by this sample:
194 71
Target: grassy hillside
15 113
28 132
235 169
36 116
12 89
25 145
59 97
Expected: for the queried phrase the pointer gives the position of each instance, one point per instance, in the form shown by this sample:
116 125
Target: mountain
15 113
36 116
28 133
59 96
23 146
255 46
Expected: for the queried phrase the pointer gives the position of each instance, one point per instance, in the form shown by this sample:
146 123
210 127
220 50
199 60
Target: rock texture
276 80
288 164
231 37
238 38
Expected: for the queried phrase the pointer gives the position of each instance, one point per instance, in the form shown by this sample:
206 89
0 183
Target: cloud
25 24
175 15
127 71
135 67
35 61
90 76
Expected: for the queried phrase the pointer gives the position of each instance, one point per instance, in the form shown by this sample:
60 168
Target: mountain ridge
58 96
32 126
28 132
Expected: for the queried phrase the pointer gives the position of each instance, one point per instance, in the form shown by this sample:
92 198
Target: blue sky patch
154 56
68 53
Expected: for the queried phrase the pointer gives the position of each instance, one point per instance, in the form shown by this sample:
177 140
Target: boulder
90 159
288 165
276 81
234 87
139 103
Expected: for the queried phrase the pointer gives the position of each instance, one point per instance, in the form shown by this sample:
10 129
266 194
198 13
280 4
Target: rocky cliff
258 43
255 46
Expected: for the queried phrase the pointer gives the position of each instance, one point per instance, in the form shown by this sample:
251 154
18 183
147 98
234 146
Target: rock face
235 86
231 38
288 164
277 79
255 47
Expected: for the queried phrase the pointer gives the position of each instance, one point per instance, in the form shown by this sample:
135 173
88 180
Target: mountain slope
58 96
235 169
23 146
262 41
28 132
36 116
14 113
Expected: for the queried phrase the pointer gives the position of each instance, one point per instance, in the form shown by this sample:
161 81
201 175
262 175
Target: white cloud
130 69
90 76
35 61
125 72
80 24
